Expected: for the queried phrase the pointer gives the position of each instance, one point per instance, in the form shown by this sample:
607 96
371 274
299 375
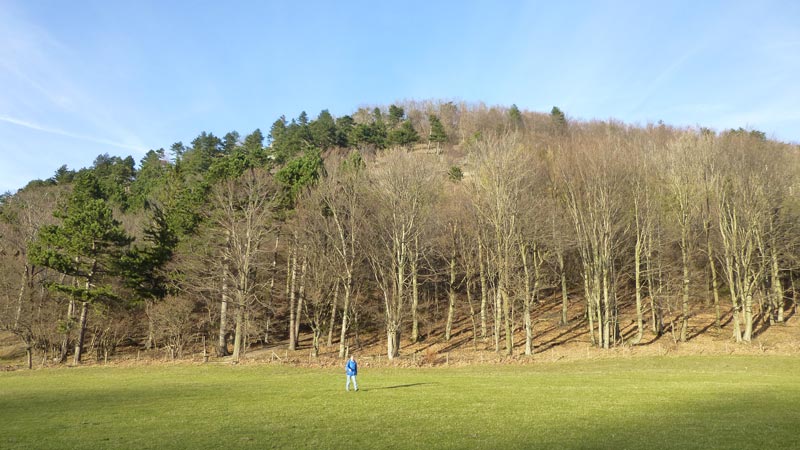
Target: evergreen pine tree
404 136
559 120
515 117
437 135
86 246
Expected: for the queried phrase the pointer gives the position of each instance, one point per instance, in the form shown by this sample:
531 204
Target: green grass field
667 402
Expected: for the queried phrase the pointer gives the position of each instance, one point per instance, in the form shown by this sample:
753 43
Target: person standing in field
351 370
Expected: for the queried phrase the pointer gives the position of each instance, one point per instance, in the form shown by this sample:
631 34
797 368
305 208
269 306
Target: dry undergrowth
552 343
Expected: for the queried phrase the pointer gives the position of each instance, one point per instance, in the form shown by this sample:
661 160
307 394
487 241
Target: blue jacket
351 368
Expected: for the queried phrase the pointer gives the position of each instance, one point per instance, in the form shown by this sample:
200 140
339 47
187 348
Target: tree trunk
484 287
655 307
598 308
637 263
345 315
735 303
271 289
333 313
315 342
471 313
523 250
638 283
748 318
507 313
794 291
538 259
710 253
237 339
150 343
301 295
222 344
737 328
292 317
737 319
564 296
274 269
451 295
81 332
20 297
65 343
714 282
414 292
685 303
777 289
391 343
401 260
498 317
606 310
589 305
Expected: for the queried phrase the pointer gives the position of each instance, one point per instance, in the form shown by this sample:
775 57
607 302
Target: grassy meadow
656 402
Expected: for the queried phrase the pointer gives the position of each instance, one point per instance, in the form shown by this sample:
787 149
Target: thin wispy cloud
49 72
59 104
664 77
56 131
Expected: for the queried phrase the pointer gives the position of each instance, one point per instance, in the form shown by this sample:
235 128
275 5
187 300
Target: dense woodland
331 227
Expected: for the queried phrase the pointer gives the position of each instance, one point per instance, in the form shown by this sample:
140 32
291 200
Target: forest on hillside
338 225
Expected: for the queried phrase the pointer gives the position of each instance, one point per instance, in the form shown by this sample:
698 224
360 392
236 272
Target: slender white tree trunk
292 305
222 346
333 313
484 289
81 332
451 294
564 296
238 333
414 292
345 316
301 296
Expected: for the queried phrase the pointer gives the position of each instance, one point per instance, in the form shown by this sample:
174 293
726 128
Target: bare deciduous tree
594 188
243 215
403 190
500 188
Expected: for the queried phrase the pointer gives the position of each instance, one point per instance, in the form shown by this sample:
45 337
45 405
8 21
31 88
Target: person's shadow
398 386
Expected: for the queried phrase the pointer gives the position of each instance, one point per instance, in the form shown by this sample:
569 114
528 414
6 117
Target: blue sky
89 77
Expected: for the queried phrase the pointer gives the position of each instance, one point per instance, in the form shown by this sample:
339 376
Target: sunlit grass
684 402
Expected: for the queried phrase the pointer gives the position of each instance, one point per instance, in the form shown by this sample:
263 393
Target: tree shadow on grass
398 386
